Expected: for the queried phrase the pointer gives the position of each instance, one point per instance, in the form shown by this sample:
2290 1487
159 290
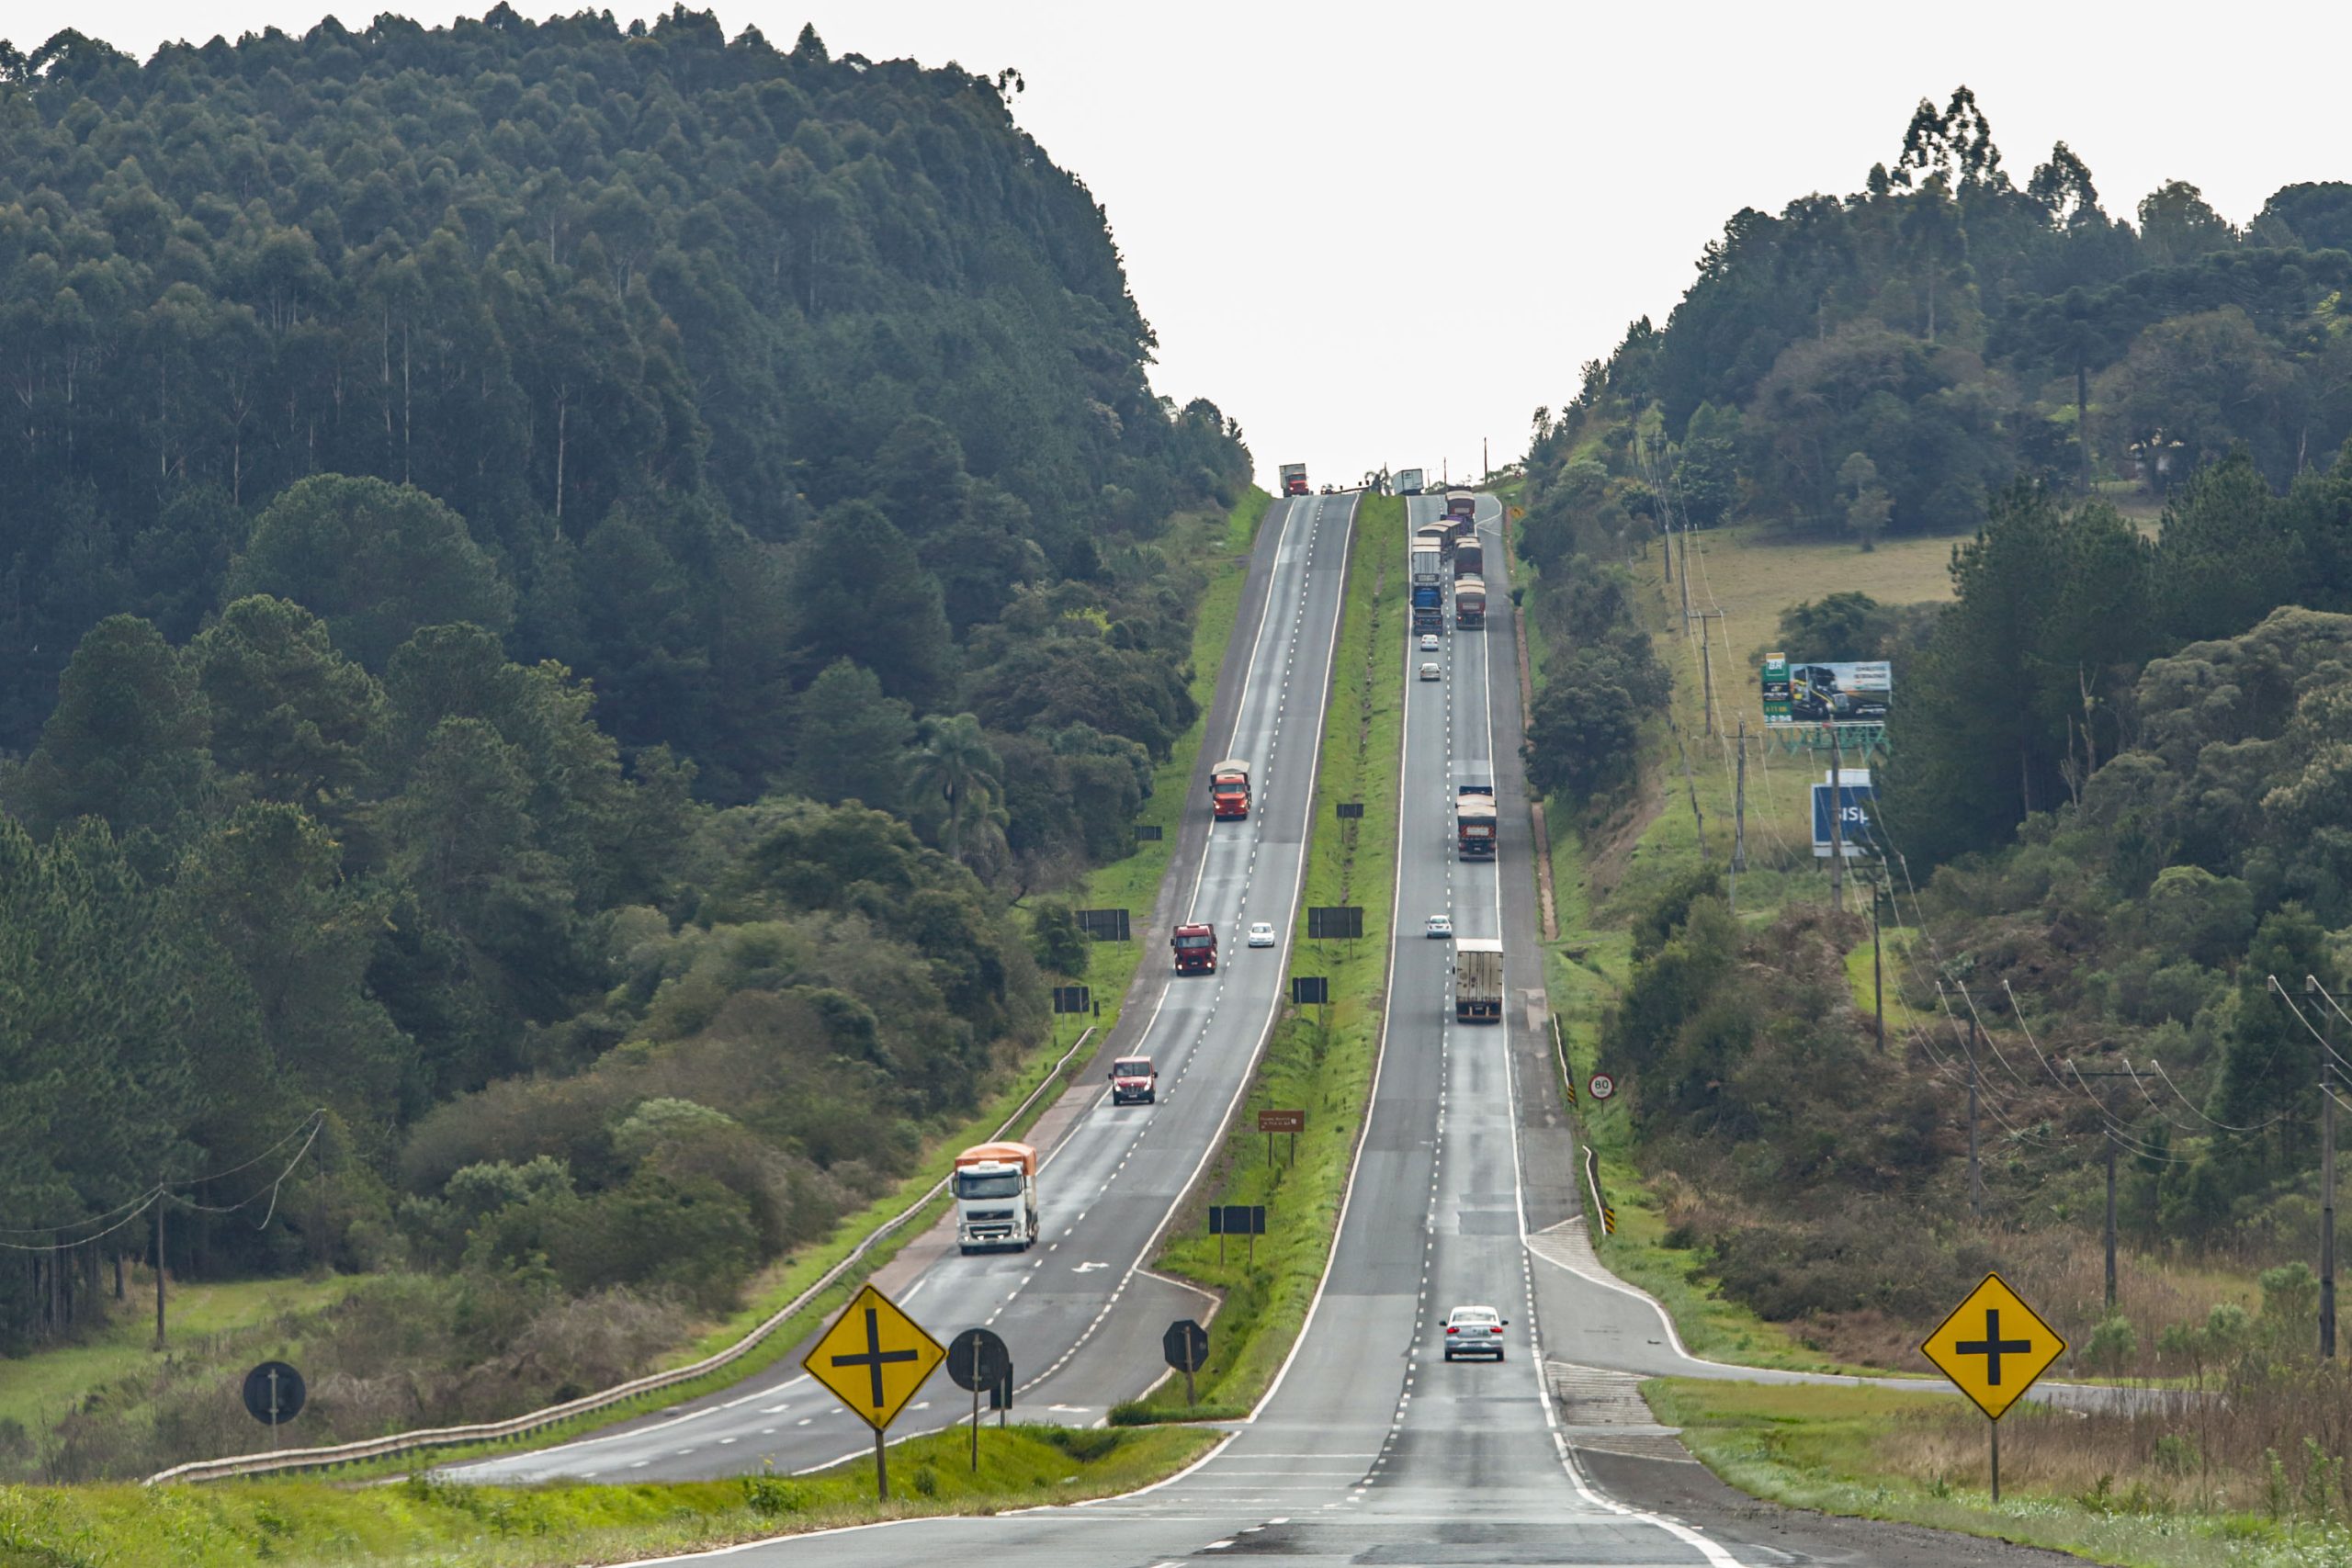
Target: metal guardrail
652 1382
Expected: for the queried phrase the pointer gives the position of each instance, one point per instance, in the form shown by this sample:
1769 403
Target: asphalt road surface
1079 1313
1372 1448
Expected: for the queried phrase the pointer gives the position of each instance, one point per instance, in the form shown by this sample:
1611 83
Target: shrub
2113 1346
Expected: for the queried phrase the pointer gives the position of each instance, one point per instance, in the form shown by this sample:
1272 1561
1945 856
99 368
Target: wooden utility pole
2326 1170
1975 1179
1707 668
162 1201
1739 816
2108 1237
1836 823
1878 972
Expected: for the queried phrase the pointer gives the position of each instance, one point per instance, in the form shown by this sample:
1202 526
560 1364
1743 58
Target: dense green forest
558 586
1888 360
2117 801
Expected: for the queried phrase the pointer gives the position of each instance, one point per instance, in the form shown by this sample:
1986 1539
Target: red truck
1293 476
1230 787
1195 947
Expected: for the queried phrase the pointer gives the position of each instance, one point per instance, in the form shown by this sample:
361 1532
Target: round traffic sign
1601 1085
273 1393
975 1360
1185 1345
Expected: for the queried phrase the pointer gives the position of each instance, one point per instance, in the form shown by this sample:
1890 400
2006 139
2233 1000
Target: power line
308 1130
154 1195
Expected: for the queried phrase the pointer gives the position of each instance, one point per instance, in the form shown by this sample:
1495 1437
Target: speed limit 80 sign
1602 1085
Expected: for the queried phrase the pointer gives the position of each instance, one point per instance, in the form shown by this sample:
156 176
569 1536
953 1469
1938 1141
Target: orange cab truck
1293 479
1230 787
996 1197
1195 949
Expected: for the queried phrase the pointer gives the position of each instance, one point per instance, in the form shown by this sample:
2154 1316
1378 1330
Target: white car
1474 1331
1261 934
1440 925
1428 671
1428 642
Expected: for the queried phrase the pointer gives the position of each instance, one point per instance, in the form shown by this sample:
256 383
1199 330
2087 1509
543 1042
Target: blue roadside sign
1855 800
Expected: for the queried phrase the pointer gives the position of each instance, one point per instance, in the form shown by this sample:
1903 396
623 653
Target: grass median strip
422 1522
1320 1060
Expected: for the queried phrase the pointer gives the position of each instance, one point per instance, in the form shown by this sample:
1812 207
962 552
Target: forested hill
1884 360
639 308
558 587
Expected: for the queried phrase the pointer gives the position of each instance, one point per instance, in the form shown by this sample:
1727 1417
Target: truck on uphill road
1478 979
996 1197
1293 476
1469 602
1195 949
1473 819
1229 789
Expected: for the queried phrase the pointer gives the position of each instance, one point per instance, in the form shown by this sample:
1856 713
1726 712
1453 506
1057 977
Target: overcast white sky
1381 233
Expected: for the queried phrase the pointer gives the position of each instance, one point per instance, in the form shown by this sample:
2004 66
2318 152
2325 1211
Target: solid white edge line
1713 1553
1389 983
1298 884
1208 840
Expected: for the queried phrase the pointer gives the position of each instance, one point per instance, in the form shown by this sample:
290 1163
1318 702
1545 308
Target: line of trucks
1478 960
995 1184
1451 540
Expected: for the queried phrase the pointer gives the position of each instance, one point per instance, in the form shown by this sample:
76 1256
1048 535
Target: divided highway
1371 1448
1079 1313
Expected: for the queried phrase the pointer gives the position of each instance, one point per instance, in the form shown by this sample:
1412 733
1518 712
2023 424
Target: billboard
1853 831
1824 691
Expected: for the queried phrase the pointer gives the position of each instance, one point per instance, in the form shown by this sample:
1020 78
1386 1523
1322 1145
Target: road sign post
977 1360
1602 1085
1185 1346
1992 1347
1291 1121
873 1359
273 1393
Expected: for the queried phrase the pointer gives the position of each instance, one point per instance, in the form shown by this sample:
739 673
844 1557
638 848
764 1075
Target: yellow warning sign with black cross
873 1358
1992 1345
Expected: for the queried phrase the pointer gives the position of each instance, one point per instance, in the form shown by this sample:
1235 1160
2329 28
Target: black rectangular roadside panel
1146 833
1351 809
1104 925
1073 998
1306 988
1334 922
1237 1219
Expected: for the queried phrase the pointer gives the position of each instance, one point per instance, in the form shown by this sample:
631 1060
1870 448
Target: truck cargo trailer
1469 602
1477 980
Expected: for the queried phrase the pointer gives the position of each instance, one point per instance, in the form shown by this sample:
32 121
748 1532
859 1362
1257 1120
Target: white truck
1478 979
996 1197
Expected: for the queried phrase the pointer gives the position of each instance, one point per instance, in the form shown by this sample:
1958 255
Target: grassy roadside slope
1921 1459
419 1523
1323 1065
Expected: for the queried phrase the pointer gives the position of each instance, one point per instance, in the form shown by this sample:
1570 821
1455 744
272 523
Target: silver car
1429 672
1474 1331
